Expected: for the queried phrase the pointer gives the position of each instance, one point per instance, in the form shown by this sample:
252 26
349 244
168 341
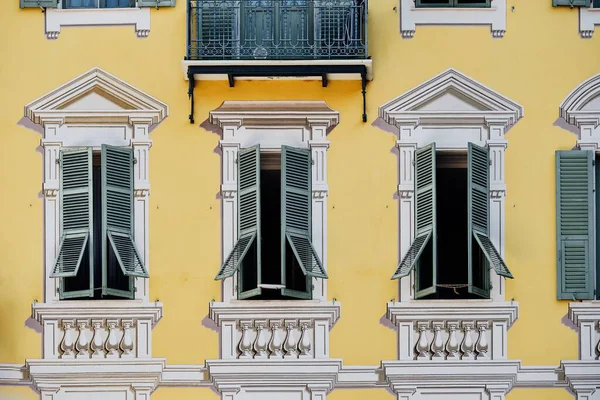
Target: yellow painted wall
539 61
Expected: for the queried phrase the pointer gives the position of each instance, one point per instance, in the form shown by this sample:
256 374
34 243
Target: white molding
56 19
589 17
452 330
274 330
586 317
452 110
581 109
411 16
582 378
234 63
91 109
272 124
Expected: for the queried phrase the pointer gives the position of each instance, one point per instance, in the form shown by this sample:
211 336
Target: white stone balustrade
586 317
285 330
97 329
451 330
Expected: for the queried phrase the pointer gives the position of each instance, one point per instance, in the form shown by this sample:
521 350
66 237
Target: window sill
96 326
56 19
588 19
411 16
258 329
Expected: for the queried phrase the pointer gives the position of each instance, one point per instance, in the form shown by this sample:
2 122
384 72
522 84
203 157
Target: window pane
434 3
81 4
117 3
472 3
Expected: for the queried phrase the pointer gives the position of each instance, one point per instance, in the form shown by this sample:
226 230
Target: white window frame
58 18
95 122
589 17
272 124
411 16
452 128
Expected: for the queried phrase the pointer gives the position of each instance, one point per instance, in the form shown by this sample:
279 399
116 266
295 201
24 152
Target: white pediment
582 105
96 94
451 95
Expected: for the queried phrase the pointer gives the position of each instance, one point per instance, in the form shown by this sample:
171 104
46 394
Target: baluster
467 346
112 343
422 346
82 341
126 344
290 345
452 344
245 345
437 345
260 344
482 345
97 344
304 346
275 345
67 345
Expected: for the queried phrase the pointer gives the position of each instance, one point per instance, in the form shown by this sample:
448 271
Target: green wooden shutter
117 218
38 3
412 256
425 220
574 225
296 210
156 3
571 3
76 218
478 164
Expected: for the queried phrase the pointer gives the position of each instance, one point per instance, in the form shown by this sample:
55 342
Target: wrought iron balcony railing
276 29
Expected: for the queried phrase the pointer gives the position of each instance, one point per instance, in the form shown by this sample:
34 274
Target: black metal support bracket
233 71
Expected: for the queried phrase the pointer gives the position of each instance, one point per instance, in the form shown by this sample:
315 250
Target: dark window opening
99 3
452 234
454 3
115 277
271 242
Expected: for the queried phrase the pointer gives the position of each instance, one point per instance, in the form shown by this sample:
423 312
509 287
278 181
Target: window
99 3
576 204
97 257
452 252
274 255
453 3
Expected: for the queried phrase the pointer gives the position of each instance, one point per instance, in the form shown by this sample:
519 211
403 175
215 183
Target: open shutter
574 225
38 3
425 220
571 3
76 221
156 3
117 220
245 255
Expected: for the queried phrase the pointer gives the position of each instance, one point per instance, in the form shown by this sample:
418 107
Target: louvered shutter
571 3
478 223
575 237
249 237
296 207
156 3
117 216
76 215
38 3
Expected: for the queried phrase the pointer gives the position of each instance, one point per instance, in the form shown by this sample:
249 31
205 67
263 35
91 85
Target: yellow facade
538 62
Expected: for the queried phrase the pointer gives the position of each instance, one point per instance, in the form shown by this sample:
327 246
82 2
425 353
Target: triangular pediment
451 94
97 93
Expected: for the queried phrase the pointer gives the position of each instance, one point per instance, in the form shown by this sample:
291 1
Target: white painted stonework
99 348
411 16
581 110
56 19
589 17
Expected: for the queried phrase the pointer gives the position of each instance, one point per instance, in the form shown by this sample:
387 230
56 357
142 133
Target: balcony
261 39
277 29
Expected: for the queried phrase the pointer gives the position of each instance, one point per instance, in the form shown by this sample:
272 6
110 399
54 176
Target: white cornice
303 309
274 113
133 103
448 310
110 309
492 107
572 107
584 312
